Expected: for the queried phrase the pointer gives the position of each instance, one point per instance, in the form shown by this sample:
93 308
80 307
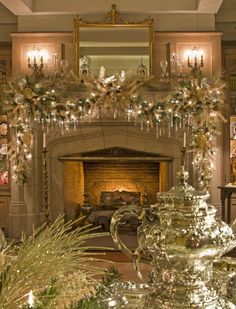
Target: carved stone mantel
99 139
27 210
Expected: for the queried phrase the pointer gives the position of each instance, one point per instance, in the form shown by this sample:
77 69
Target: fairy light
29 156
31 299
180 110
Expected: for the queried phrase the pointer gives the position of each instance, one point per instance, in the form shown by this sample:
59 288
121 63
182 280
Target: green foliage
105 289
45 298
110 277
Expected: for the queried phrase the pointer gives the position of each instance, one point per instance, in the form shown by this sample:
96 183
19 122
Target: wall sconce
45 63
36 61
195 60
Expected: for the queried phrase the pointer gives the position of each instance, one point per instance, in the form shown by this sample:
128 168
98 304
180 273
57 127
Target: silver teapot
181 238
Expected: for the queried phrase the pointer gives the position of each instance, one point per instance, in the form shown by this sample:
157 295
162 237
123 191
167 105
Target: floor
129 238
114 257
125 268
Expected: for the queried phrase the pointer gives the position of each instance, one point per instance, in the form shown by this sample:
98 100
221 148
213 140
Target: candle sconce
195 61
35 61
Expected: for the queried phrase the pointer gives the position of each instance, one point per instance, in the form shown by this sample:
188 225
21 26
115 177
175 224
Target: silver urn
180 237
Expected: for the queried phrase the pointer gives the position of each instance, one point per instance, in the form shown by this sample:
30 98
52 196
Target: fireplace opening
118 175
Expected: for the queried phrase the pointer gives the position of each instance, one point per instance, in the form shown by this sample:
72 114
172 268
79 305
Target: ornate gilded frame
112 20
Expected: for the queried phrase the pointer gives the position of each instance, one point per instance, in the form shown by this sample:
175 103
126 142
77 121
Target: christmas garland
186 103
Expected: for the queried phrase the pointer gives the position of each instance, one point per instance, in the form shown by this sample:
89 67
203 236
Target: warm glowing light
193 53
37 57
194 57
31 299
29 156
112 303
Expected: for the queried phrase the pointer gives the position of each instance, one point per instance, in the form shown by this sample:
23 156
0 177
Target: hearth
112 177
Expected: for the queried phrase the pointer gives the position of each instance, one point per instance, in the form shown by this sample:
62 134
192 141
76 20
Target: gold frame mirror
114 22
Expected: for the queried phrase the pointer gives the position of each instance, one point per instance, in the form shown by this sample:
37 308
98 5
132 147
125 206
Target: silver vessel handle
114 229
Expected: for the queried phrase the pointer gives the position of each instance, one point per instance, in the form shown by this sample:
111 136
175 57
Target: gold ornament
27 138
28 93
201 140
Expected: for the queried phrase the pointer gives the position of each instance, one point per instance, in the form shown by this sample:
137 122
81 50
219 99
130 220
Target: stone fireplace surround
26 207
96 137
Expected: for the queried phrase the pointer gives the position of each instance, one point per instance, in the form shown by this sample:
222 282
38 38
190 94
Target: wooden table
226 194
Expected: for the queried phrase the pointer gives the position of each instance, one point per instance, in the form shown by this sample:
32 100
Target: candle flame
31 299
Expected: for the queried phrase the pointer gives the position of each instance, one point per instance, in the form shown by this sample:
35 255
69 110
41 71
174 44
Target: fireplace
114 169
143 162
69 156
108 157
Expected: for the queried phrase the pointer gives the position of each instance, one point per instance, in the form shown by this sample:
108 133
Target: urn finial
182 175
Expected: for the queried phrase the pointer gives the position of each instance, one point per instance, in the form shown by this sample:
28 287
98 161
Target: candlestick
45 186
183 155
44 140
184 144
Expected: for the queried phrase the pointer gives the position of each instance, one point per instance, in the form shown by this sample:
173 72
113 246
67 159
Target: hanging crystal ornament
165 76
64 65
142 70
85 69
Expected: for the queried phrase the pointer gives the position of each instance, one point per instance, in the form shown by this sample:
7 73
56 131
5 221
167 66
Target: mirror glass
114 44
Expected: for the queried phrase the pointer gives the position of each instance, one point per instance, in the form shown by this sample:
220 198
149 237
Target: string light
63 102
31 299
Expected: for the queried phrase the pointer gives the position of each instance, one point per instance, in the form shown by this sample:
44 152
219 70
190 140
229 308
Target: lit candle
31 299
184 144
44 140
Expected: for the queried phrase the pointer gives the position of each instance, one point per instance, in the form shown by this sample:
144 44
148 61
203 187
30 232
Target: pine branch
51 252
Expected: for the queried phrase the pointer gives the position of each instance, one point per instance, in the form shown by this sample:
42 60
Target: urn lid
183 195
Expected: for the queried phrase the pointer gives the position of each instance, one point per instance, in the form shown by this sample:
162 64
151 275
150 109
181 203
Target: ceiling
208 15
25 7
